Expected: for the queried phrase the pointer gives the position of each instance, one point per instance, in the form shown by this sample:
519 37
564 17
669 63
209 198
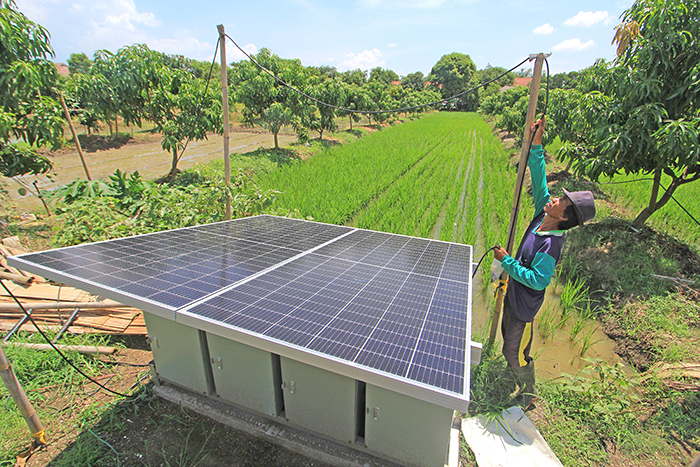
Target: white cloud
544 30
364 61
393 44
587 19
573 45
188 46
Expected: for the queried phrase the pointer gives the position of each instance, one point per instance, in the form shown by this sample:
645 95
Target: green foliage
640 115
126 205
452 74
380 75
602 397
414 81
28 111
79 63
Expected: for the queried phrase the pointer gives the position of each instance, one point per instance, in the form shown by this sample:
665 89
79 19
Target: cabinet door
319 400
409 430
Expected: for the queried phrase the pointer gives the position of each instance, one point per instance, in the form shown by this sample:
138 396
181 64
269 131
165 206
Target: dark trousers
517 338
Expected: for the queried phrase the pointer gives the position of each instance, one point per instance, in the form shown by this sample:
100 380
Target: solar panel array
388 303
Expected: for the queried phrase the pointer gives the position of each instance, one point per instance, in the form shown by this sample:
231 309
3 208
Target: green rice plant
547 321
582 318
587 340
572 297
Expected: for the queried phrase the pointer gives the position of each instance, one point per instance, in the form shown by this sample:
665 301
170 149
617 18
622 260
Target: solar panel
381 307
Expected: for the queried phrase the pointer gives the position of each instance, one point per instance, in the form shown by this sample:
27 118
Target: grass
459 175
57 392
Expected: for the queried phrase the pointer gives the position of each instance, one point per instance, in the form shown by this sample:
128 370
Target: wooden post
23 404
529 121
224 98
75 135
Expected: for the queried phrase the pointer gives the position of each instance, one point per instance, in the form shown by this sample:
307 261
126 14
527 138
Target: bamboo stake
75 135
16 278
20 398
224 101
84 349
61 305
529 121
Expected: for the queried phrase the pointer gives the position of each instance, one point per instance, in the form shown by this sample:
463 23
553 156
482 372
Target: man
531 269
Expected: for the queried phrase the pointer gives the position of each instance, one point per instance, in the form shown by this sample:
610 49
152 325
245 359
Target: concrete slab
291 438
512 440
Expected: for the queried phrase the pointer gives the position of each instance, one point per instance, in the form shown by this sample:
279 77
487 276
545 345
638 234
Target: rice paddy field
444 176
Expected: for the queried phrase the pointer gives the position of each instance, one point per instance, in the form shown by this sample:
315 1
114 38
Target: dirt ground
141 151
150 431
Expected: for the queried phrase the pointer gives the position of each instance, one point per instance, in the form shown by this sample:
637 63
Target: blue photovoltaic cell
391 303
385 302
178 267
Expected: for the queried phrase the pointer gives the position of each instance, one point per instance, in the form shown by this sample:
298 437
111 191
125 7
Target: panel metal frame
409 387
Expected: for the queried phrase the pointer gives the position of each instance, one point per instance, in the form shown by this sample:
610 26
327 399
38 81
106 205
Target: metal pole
75 135
23 404
529 121
224 98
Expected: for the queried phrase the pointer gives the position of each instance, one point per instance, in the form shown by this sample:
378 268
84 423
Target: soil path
143 153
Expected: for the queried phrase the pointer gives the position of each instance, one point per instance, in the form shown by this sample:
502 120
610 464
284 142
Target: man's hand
538 130
499 252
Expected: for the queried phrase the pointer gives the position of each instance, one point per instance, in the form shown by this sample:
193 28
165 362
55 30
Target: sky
402 35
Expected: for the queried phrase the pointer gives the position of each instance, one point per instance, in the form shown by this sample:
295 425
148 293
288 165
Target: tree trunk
350 122
320 135
173 169
277 146
109 122
116 126
568 166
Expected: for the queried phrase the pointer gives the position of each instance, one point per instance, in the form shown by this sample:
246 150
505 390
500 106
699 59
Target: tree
354 98
356 77
644 109
414 81
258 91
489 73
380 75
452 74
28 111
79 63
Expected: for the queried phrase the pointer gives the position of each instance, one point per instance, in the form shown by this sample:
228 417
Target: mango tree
645 108
30 116
257 90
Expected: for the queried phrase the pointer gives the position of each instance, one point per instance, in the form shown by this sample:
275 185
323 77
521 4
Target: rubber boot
528 393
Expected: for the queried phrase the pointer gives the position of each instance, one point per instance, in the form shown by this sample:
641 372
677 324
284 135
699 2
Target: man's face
557 206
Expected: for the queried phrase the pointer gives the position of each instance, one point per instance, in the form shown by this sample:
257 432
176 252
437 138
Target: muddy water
556 353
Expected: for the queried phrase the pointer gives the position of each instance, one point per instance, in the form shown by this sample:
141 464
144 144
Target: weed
602 397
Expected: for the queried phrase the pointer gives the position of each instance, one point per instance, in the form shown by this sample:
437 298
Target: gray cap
584 205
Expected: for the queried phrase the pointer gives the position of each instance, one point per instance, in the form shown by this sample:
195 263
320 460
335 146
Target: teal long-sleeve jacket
532 267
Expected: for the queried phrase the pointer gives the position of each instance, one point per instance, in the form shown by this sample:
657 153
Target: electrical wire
665 189
206 88
343 109
56 348
482 258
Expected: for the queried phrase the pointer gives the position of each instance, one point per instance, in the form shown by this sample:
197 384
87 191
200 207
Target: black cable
206 88
482 258
56 348
665 189
343 109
